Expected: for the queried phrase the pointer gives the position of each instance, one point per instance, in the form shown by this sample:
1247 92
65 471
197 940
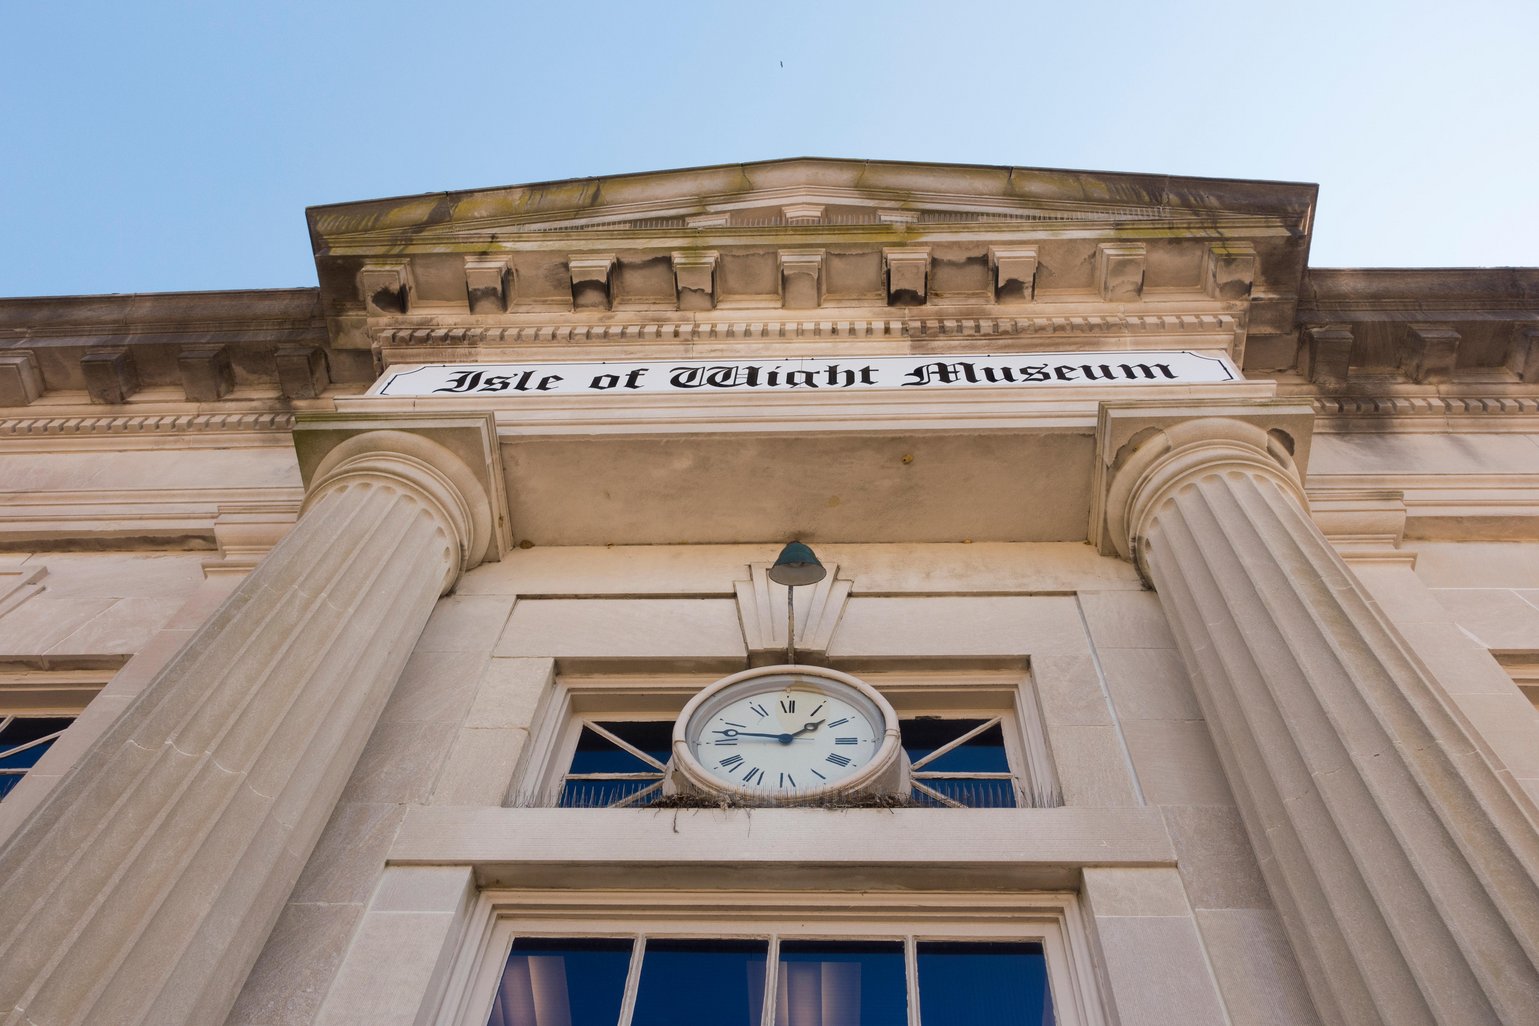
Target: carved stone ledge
191 423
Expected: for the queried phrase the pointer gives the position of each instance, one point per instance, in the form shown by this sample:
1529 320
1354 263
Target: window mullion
632 981
911 977
771 982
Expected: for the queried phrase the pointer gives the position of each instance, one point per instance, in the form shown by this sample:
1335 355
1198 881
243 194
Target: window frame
34 689
1008 695
1052 919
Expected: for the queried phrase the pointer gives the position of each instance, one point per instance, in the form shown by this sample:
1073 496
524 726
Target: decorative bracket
761 607
801 279
385 287
1119 270
488 284
908 275
694 277
591 281
1015 273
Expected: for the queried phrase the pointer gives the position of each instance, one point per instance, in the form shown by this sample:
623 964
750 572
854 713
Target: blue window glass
983 985
841 984
983 753
701 983
603 773
975 773
23 740
574 982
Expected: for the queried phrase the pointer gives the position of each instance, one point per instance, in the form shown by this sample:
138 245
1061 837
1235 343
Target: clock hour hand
814 725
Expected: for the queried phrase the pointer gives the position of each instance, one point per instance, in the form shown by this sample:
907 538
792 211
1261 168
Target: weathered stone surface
21 381
207 374
302 371
110 375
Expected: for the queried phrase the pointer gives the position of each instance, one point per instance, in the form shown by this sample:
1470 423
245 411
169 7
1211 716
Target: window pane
841 984
562 983
25 729
983 985
975 794
701 983
601 794
597 754
982 754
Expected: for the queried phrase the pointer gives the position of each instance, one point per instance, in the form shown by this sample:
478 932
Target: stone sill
910 848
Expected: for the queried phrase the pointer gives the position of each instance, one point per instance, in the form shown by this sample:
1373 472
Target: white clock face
785 734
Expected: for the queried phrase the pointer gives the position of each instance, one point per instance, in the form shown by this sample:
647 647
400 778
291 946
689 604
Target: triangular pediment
808 193
984 251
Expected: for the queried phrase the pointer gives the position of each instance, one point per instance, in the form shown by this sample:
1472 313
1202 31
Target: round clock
796 734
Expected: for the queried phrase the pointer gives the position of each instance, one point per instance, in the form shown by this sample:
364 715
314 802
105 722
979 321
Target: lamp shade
797 565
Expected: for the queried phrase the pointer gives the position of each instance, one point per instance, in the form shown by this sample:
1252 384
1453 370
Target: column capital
449 463
1145 451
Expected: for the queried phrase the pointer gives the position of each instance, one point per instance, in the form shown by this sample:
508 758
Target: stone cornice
128 430
832 327
885 185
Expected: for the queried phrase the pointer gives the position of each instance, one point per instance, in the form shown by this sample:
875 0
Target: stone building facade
350 623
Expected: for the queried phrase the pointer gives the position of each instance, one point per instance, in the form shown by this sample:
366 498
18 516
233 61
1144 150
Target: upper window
973 742
23 740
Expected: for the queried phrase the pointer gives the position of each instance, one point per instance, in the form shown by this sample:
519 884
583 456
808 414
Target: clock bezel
882 773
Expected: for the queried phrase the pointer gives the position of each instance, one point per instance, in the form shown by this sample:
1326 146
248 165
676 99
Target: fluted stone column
142 889
1403 862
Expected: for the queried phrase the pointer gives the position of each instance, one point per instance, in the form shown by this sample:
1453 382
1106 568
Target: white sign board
1022 371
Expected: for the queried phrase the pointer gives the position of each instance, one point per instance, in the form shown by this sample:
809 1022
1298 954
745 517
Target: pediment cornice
805 195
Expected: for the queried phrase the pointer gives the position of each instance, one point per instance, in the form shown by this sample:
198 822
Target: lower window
723 958
781 980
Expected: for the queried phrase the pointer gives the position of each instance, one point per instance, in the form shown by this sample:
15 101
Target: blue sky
160 146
